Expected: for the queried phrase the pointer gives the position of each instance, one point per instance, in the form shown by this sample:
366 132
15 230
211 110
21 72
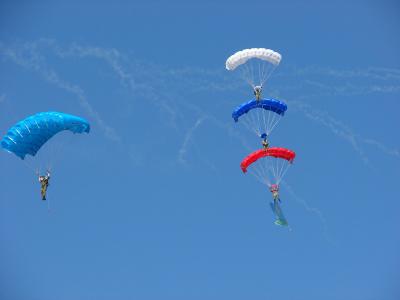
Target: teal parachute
30 134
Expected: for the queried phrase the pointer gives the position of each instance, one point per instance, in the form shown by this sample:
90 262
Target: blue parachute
29 135
276 106
260 116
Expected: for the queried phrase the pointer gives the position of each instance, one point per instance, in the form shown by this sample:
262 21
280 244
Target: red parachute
268 165
277 152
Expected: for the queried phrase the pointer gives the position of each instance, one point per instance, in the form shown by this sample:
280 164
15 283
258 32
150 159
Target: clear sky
152 203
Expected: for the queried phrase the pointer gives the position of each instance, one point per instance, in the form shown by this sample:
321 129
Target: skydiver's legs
43 191
265 144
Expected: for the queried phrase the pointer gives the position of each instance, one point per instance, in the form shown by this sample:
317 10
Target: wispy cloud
336 127
28 57
343 131
369 73
187 139
320 82
167 89
313 210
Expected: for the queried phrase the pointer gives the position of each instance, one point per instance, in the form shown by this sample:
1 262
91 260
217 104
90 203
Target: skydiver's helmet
274 188
263 136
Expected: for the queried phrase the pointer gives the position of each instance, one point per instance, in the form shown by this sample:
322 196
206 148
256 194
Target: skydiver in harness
280 218
257 92
44 183
274 189
264 141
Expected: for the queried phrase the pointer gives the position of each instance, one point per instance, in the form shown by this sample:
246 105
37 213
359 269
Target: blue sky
152 203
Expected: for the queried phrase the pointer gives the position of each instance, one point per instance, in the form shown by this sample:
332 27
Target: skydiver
274 189
264 141
265 144
257 92
44 183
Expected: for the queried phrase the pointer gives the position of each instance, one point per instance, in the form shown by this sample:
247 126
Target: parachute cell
30 134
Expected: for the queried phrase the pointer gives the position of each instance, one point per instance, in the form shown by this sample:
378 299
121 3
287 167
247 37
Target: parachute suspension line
54 150
274 170
275 120
30 167
261 113
260 72
253 66
57 149
246 120
267 126
261 121
262 170
284 172
262 75
260 173
254 123
250 68
257 119
254 172
259 116
247 75
257 175
280 170
267 167
280 166
267 71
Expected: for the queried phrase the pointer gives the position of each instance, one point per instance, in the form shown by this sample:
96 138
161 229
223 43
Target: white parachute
255 64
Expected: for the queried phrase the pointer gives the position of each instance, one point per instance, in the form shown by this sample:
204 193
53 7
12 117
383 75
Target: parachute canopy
260 116
30 134
243 56
268 165
273 105
276 152
255 65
